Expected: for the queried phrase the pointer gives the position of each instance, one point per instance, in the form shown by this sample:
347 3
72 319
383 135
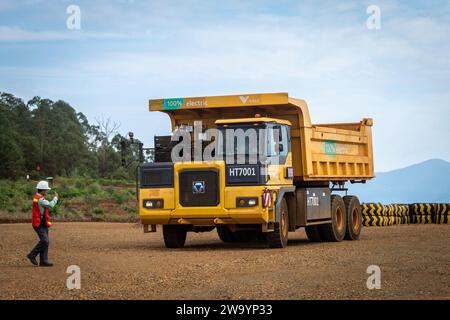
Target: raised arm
48 204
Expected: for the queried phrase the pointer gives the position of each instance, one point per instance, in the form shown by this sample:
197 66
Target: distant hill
427 181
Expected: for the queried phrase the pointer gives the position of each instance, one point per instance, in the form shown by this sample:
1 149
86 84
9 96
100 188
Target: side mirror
280 147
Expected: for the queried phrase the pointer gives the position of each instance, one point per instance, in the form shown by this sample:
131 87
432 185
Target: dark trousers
41 248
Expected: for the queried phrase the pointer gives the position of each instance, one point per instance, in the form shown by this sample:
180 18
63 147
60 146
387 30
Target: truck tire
313 233
225 234
335 231
354 218
174 235
245 236
261 236
279 237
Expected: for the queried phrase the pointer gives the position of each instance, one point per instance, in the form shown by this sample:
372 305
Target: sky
129 51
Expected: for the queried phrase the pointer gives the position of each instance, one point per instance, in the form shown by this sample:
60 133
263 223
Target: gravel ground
119 261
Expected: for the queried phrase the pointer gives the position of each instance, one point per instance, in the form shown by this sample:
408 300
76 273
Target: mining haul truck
296 181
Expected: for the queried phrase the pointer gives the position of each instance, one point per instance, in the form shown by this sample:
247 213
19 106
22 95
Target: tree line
44 138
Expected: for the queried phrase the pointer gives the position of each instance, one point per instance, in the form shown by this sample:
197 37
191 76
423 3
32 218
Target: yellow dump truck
294 182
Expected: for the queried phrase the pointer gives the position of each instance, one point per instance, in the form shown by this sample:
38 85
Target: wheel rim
284 223
339 219
355 219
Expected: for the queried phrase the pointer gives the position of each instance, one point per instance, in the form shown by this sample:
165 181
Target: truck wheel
335 231
354 218
174 236
261 236
279 237
313 233
225 234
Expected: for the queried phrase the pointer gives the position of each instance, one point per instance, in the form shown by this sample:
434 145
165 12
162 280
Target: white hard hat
43 185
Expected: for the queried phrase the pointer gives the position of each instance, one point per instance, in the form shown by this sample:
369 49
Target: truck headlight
246 202
153 204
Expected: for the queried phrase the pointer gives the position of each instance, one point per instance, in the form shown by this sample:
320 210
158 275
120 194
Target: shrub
120 174
55 210
79 183
94 188
130 209
68 190
25 188
120 197
97 210
91 199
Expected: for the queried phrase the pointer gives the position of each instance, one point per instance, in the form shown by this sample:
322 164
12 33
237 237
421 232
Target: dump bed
320 152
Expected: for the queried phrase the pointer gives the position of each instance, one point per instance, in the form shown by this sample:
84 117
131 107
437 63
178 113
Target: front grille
199 188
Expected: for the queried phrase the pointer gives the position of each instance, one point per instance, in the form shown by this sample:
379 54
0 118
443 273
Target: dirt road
118 261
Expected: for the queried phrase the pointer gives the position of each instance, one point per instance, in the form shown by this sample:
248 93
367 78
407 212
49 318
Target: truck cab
240 166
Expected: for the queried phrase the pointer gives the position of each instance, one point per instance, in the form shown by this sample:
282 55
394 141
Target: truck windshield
244 141
251 143
254 143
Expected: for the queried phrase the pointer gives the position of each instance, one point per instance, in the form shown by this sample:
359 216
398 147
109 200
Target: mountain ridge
427 181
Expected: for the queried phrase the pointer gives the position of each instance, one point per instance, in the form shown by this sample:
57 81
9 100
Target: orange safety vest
36 216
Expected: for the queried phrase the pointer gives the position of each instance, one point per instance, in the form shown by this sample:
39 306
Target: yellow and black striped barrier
374 214
442 213
377 214
422 213
422 219
372 209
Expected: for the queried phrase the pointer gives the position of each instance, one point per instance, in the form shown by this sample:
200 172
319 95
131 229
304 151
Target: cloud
257 51
324 54
17 34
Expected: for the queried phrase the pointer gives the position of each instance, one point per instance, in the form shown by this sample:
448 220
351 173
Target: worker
41 223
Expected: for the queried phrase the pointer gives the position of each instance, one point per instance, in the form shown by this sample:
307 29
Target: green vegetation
97 210
43 138
80 199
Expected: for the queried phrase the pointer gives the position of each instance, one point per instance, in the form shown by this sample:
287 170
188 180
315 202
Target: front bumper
226 212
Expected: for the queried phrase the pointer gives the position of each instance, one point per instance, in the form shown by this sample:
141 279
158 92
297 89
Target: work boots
46 264
32 259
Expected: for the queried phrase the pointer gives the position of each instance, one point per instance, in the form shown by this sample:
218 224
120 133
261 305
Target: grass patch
79 197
